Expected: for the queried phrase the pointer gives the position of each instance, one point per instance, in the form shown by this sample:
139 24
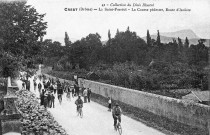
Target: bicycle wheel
59 100
119 129
81 113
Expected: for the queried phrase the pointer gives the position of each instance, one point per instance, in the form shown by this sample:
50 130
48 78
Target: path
96 120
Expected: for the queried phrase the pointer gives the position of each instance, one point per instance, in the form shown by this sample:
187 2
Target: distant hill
181 34
166 37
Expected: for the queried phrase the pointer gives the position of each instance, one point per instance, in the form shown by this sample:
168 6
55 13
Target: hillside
181 34
170 39
169 36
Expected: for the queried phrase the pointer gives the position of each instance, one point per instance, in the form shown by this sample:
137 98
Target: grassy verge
165 125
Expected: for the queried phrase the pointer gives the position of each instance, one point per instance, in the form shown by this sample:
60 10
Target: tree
186 43
149 40
126 46
66 40
180 43
109 35
128 29
85 52
198 54
117 33
158 38
21 28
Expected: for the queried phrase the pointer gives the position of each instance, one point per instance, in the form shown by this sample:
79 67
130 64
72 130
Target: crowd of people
52 87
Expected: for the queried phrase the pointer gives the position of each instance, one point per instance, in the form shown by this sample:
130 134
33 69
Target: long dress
42 99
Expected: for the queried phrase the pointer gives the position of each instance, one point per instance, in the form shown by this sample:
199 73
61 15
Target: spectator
23 85
35 84
45 99
76 87
28 85
52 101
89 94
110 104
55 87
85 95
48 84
42 97
39 87
73 91
49 99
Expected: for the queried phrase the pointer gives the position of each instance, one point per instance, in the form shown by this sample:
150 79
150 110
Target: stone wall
189 113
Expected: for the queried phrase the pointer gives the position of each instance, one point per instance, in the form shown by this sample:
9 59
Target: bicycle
118 126
68 96
79 111
60 98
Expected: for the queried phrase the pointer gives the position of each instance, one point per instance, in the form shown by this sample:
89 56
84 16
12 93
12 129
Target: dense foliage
127 60
21 28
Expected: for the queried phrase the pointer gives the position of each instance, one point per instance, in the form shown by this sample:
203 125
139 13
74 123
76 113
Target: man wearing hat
116 113
79 103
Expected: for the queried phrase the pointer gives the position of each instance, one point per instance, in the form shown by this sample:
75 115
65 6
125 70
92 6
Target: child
110 104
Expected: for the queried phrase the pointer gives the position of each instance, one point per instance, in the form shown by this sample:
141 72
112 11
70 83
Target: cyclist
116 113
79 103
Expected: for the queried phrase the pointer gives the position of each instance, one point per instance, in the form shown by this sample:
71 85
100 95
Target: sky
79 24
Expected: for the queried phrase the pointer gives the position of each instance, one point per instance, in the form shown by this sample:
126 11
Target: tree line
21 29
177 64
125 46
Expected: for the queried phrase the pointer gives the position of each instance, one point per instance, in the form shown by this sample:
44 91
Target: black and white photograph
104 67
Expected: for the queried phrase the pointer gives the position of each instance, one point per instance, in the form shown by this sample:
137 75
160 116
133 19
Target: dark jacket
116 111
79 102
60 91
89 92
